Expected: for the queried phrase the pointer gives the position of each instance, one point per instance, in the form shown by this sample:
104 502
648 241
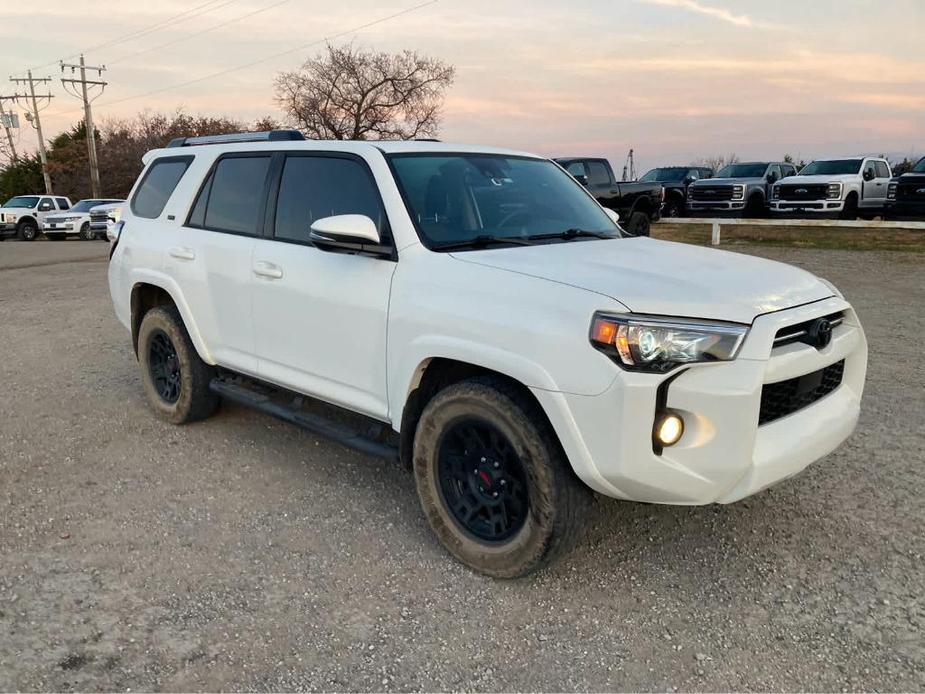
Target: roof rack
426 139
266 136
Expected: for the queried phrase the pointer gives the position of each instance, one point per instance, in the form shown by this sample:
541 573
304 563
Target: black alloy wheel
164 367
482 481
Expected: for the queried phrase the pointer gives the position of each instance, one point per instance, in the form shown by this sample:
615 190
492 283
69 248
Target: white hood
663 278
812 180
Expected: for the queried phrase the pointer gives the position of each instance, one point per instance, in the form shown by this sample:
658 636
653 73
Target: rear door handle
182 253
270 270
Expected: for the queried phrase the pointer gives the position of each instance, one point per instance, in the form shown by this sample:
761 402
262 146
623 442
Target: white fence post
715 239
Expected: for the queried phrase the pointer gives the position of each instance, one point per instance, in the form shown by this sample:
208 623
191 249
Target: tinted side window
775 172
235 194
315 187
158 185
883 170
597 174
62 203
789 170
870 169
694 174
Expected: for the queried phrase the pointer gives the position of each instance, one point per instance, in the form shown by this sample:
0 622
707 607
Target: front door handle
270 270
182 253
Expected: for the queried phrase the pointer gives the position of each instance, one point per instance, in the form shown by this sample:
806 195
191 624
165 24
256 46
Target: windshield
833 167
87 205
742 171
671 173
456 198
920 167
23 201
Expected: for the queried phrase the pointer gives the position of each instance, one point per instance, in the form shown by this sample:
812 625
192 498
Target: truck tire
493 481
85 233
850 210
638 224
176 380
755 207
27 230
673 207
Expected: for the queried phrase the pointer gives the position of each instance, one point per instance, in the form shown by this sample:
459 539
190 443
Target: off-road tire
558 502
27 231
85 233
755 208
673 208
639 224
196 401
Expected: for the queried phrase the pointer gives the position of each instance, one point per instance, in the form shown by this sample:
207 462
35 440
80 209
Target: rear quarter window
157 185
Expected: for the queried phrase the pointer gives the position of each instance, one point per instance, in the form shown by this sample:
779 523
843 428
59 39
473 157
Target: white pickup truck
24 215
834 188
508 341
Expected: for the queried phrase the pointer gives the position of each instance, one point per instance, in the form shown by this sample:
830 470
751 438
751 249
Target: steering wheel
504 221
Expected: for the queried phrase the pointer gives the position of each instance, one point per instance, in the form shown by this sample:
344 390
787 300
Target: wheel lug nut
503 483
495 494
497 464
483 460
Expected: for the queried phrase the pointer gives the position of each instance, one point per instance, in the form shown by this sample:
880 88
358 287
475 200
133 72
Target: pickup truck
638 204
486 322
737 189
23 216
74 222
676 180
834 188
906 195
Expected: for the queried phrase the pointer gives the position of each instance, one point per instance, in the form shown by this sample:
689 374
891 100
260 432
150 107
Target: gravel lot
243 553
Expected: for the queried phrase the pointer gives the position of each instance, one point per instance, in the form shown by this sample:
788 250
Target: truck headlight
738 192
891 191
657 345
833 192
775 193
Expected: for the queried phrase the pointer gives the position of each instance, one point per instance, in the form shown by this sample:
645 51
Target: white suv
75 222
837 188
515 349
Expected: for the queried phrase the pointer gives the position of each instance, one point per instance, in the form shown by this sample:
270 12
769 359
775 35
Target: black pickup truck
638 204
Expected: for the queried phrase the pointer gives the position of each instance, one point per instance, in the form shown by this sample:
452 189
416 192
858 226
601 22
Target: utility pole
33 117
88 113
8 124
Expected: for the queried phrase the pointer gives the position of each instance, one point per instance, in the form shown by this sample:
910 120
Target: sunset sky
675 79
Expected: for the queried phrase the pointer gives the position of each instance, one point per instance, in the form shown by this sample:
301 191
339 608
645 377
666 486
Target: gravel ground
243 553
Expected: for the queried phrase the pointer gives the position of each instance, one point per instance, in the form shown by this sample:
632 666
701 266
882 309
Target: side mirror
688 180
868 175
772 178
350 233
581 178
614 216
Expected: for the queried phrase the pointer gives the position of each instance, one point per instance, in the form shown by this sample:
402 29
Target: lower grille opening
786 397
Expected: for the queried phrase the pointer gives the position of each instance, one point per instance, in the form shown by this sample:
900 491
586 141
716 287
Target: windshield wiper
569 234
481 241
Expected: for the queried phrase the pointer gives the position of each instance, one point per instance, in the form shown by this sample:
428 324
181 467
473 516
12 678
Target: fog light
669 428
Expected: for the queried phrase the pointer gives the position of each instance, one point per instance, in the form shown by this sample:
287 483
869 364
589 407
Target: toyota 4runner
491 321
837 188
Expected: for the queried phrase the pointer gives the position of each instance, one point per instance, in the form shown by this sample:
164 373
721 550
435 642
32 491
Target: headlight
891 191
834 191
775 193
738 192
657 345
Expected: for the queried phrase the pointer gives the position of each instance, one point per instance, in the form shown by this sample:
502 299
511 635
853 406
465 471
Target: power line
150 29
197 33
33 116
88 113
244 66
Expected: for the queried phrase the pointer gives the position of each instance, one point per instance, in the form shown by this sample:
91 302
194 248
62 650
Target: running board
293 414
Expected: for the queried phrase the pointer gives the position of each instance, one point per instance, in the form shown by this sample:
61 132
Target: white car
515 349
22 216
835 188
74 222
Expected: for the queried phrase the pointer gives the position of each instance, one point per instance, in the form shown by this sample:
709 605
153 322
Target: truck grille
786 397
911 190
800 332
710 193
806 192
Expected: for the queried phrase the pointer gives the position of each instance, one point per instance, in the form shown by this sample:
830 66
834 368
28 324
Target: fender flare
169 285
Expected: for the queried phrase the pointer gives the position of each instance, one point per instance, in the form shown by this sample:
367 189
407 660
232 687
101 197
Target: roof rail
426 139
266 136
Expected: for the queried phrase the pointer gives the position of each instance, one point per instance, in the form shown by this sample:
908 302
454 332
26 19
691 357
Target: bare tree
347 93
716 162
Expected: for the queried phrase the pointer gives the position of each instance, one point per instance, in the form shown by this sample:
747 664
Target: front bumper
906 211
816 208
724 455
729 207
59 228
